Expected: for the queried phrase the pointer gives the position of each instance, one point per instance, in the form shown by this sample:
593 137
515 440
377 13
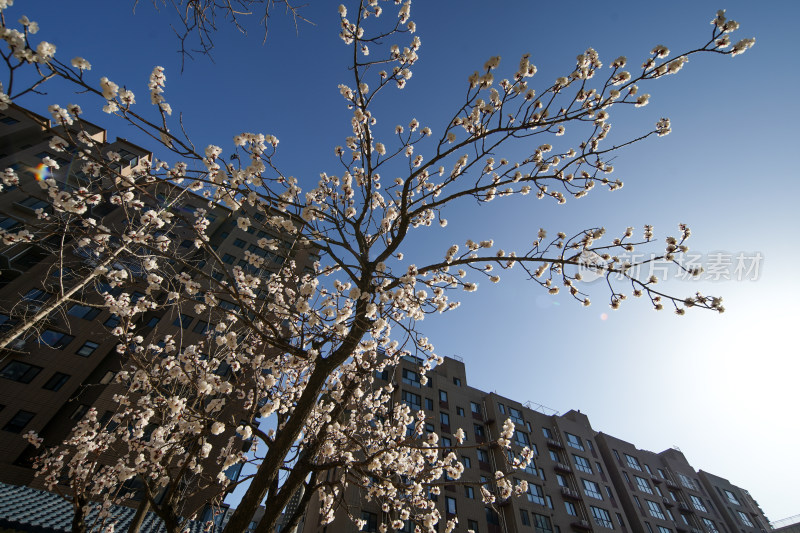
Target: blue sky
721 387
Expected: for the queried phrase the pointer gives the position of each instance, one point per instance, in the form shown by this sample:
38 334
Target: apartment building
50 377
580 480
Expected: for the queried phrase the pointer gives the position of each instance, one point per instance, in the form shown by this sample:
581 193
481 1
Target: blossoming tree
301 349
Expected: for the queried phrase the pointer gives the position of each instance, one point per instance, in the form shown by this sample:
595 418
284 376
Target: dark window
56 382
8 121
524 517
445 419
428 404
469 492
473 525
574 441
83 311
582 464
33 203
79 411
592 489
19 371
442 396
35 295
412 400
475 407
19 421
460 411
55 339
201 327
492 518
602 517
535 494
112 321
457 382
450 505
87 349
521 438
542 524
152 322
239 243
228 258
183 321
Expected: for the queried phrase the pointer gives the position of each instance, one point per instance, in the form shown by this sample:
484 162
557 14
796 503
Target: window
19 421
33 203
649 527
483 457
574 441
542 524
592 489
648 469
686 482
662 474
662 529
460 411
81 410
201 327
239 243
229 259
20 372
457 382
554 456
745 519
672 495
450 505
633 462
711 527
601 517
620 521
644 486
731 497
444 418
87 349
446 442
590 445
442 396
370 521
524 517
492 517
412 400
535 494
515 415
638 503
35 295
571 509
8 121
472 525
83 311
582 464
428 404
112 321
655 509
658 491
475 407
469 492
411 378
55 339
56 381
547 433
669 515
183 321
698 503
521 438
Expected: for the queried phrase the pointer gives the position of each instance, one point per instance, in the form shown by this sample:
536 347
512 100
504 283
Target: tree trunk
138 518
79 516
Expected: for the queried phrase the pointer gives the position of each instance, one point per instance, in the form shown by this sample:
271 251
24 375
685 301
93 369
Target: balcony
555 444
684 507
561 467
570 494
581 525
667 502
477 416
